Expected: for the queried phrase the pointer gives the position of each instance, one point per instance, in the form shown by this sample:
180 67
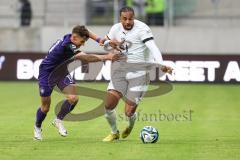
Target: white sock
131 120
111 118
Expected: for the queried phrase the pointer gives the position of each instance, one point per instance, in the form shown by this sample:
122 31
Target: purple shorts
45 88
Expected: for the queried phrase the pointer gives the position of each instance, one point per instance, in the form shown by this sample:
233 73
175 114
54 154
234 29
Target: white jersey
135 48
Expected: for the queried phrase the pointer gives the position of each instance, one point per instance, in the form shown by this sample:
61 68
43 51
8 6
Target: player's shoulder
66 40
141 25
67 37
114 30
116 26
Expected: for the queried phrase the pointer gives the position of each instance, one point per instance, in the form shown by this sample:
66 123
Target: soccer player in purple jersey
62 50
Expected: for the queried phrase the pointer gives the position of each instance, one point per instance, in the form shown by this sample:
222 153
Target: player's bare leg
110 114
67 106
130 108
40 116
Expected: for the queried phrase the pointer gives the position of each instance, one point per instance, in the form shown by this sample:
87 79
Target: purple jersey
60 51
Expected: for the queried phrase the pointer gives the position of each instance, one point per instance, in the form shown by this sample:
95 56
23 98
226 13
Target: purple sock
65 109
40 116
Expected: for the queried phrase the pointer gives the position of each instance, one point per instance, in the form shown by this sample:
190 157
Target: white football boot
59 125
37 133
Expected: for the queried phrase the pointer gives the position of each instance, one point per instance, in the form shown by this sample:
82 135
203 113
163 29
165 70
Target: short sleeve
146 34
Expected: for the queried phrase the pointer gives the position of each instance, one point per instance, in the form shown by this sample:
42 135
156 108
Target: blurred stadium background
199 38
192 30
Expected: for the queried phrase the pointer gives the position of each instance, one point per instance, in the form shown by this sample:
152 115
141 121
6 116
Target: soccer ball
149 134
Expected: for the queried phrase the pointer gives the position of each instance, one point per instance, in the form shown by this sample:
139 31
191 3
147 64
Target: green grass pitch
211 133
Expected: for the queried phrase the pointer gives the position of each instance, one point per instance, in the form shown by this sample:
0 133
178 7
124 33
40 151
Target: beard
128 27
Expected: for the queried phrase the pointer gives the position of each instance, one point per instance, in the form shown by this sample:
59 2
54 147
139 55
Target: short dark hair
81 31
126 9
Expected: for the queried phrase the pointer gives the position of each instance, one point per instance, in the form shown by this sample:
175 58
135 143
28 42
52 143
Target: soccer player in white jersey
128 76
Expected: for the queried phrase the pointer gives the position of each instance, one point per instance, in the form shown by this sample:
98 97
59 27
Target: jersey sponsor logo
73 46
77 50
125 46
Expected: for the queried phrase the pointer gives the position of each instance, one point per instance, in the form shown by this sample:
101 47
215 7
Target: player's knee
111 104
110 107
112 99
73 99
130 109
45 108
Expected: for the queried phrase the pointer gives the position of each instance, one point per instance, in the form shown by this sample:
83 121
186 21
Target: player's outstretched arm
105 41
151 45
93 36
114 44
95 58
96 38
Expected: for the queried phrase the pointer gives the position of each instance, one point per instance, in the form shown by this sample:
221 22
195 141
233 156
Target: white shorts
130 81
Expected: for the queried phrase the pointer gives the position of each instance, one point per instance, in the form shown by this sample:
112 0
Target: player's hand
101 42
167 69
113 56
116 44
